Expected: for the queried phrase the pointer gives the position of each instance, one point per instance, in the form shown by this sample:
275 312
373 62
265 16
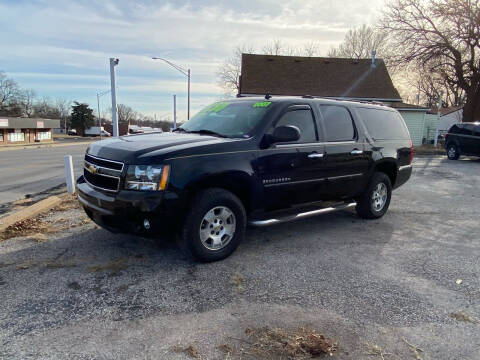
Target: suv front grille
102 173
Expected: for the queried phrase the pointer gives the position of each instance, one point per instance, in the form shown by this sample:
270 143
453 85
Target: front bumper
126 210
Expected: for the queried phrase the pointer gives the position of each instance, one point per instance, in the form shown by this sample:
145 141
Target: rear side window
338 123
476 130
302 119
467 129
384 124
454 129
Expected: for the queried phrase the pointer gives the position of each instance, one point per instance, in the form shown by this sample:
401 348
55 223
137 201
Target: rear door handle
315 155
356 152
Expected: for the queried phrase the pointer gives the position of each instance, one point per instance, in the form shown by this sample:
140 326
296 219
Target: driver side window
302 119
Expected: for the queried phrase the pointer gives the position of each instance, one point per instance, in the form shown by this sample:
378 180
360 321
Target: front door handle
356 152
315 155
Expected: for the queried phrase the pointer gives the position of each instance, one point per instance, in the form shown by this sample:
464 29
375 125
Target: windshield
230 119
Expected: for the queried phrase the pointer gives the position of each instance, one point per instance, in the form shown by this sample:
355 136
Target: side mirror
286 133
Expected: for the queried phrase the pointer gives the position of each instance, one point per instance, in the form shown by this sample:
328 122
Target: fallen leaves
190 350
238 282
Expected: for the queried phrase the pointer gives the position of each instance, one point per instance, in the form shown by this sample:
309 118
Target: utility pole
174 111
113 63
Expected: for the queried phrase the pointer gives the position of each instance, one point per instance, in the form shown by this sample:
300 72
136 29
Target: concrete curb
7 148
30 212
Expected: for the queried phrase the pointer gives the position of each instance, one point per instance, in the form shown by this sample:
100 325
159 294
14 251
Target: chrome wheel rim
379 197
217 228
451 151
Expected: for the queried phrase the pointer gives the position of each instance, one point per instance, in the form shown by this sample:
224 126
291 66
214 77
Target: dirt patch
28 227
302 343
69 202
114 267
62 217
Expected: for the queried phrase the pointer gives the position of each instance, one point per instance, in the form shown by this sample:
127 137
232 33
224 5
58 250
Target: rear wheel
215 225
452 152
374 202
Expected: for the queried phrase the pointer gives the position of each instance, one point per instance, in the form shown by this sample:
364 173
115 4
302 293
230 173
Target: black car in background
257 161
463 139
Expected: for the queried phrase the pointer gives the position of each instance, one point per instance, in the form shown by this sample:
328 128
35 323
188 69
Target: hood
129 149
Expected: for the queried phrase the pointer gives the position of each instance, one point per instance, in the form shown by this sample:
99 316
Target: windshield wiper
207 132
179 129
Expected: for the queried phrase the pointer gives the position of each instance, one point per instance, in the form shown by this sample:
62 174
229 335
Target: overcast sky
61 48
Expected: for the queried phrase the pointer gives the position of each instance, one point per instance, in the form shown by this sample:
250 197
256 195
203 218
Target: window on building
16 136
302 119
44 135
338 123
1 135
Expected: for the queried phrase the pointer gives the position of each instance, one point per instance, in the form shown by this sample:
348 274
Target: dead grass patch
190 350
416 350
301 343
375 350
461 316
238 281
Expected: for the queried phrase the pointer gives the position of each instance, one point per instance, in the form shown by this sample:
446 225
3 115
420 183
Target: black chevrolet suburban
257 161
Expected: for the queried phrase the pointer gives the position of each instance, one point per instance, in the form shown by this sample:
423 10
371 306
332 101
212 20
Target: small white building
448 117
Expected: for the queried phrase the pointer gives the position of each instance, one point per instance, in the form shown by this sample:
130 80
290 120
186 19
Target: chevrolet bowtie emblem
93 169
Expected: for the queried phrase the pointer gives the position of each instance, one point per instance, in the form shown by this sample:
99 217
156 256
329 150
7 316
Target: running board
302 215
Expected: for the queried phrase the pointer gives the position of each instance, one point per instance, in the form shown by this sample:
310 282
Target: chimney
373 66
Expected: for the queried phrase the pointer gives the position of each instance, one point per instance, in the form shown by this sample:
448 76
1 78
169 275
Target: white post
113 63
435 141
174 111
69 175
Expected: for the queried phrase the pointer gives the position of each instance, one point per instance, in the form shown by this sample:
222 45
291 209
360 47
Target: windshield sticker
215 107
262 104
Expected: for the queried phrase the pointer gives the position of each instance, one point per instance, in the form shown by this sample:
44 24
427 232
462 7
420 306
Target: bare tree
63 108
9 90
125 113
442 37
359 43
27 102
229 71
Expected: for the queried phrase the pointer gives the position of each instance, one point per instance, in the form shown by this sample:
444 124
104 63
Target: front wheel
215 225
452 152
374 202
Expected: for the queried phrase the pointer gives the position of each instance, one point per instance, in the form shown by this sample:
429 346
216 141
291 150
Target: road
85 293
30 171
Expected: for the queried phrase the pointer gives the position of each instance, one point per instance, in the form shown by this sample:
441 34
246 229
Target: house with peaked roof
335 78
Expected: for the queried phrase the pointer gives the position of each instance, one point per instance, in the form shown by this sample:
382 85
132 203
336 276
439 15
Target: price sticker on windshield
262 104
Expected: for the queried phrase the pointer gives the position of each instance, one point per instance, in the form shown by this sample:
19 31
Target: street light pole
185 72
113 63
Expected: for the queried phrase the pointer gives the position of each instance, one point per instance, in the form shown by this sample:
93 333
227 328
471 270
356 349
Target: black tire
452 152
205 201
365 204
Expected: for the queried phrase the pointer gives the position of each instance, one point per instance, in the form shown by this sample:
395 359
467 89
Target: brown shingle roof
329 77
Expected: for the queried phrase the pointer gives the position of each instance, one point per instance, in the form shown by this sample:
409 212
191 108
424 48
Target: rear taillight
412 151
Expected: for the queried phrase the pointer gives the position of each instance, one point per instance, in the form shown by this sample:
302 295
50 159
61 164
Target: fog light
146 224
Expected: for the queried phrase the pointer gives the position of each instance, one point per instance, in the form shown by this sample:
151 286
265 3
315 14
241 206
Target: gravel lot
87 294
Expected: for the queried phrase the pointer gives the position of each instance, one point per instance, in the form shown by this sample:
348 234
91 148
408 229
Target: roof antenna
268 96
373 66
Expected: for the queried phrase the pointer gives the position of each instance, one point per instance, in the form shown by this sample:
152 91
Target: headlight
147 177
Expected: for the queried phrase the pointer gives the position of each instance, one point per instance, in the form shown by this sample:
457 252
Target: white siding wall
415 121
431 123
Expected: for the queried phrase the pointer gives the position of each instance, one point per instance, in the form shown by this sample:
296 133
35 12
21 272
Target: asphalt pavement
381 288
31 171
